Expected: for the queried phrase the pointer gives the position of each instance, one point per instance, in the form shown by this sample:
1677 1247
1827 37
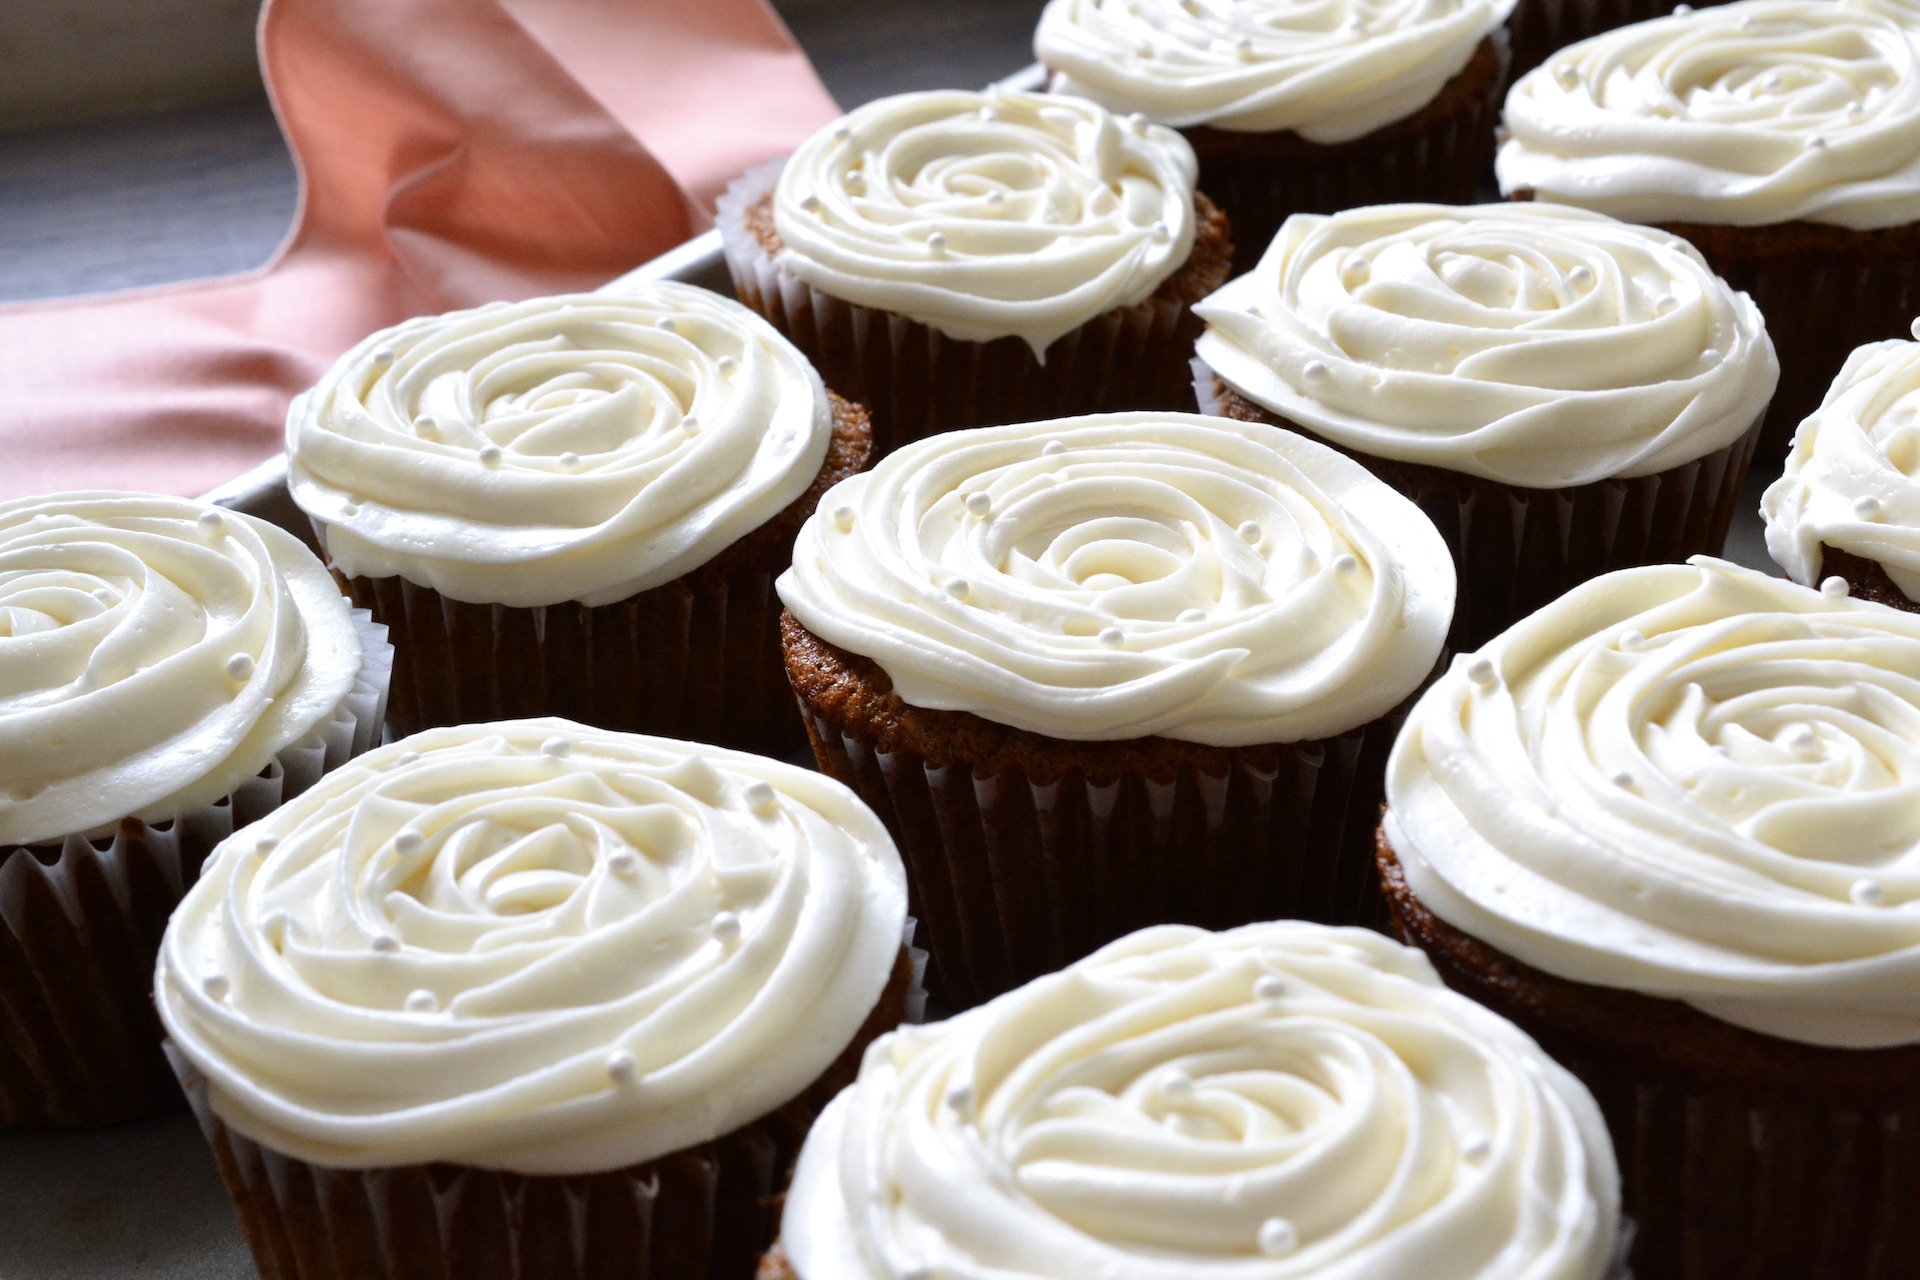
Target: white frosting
984 215
1130 574
1330 71
155 653
531 946
1691 781
584 447
1742 114
1531 344
1284 1100
1853 478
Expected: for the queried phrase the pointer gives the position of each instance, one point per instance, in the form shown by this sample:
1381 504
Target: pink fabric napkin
452 152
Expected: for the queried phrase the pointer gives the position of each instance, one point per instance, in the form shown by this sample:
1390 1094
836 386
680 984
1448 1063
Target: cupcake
1295 108
1103 672
963 259
1561 393
576 506
1781 137
531 999
168 671
1282 1100
1668 825
1849 502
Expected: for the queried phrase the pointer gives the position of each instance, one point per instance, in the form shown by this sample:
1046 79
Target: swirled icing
584 447
1284 1100
1531 344
1328 71
155 652
1743 114
531 946
985 215
1853 477
1130 574
1691 781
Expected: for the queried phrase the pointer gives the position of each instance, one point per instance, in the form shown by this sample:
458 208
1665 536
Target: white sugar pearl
1345 565
995 199
669 325
215 985
810 203
1357 265
841 133
490 455
1632 641
726 364
1621 779
1278 1237
1581 275
1160 232
1710 356
1868 508
385 943
621 1068
1249 531
1482 672
1191 616
1914 329
1269 987
212 523
1053 447
1816 143
623 862
936 244
979 503
1835 588
406 758
1868 893
266 845
555 748
422 1001
760 796
569 459
726 928
426 428
856 181
1113 637
384 357
960 1099
1176 1086
409 842
1315 371
1566 76
240 667
1476 1148
1665 303
843 517
958 588
1682 10
690 424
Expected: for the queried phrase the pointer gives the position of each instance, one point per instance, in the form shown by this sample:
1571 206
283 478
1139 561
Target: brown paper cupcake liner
917 382
1539 27
697 658
1741 1154
81 919
703 1213
1025 853
1438 154
1517 549
1866 579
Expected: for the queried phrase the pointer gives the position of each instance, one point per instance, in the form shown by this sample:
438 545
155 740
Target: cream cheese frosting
1744 114
155 652
1329 71
583 447
531 946
1852 480
1130 574
988 215
1691 781
1283 1100
1535 345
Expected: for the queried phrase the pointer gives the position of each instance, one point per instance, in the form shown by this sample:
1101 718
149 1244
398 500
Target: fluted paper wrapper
81 919
703 1213
917 381
1516 550
1725 1175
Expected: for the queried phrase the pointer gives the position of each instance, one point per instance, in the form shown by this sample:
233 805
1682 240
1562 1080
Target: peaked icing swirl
1283 1100
1743 114
1853 478
1130 574
531 946
155 652
985 215
584 447
1330 71
1692 781
1532 344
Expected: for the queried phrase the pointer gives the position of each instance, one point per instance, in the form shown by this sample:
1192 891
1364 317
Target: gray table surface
212 190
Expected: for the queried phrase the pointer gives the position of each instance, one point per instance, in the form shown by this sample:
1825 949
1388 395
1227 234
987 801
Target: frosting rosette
1281 1100
1530 344
984 215
1694 782
1130 574
1743 114
1852 480
531 946
1329 71
585 447
155 652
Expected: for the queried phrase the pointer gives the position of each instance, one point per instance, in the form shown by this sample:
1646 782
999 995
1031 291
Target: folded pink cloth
452 152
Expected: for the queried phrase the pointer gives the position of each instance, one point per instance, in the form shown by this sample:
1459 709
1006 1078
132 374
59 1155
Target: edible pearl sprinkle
1053 447
490 455
1192 615
1816 143
426 428
621 1067
385 943
623 863
215 985
1581 275
1621 779
1176 1086
555 747
1477 1148
384 357
843 517
979 503
856 181
690 424
1868 893
423 1001
1867 508
960 1098
240 667
569 459
1249 531
759 797
1834 588
409 842
936 244
1631 641
212 523
958 588
726 928
1914 329
1160 232
1277 1236
726 364
810 203
1345 565
406 758
1269 987
266 845
1315 371
1481 672
1113 637
1665 303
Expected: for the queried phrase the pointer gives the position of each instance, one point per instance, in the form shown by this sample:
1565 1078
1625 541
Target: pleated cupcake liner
1866 579
703 1213
1740 1155
1540 27
1823 291
81 919
1439 155
917 381
1016 870
1517 549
